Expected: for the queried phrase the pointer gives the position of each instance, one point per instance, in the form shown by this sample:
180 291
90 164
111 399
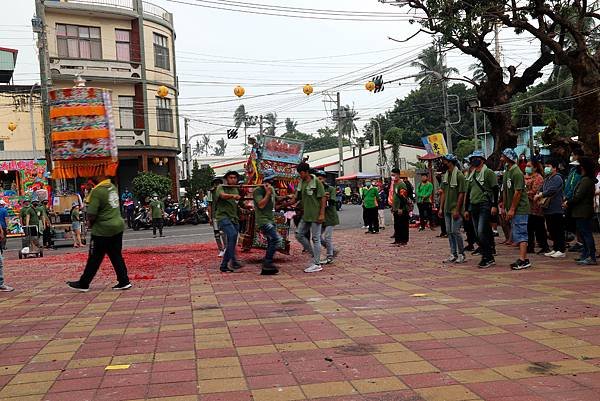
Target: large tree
568 29
428 61
468 27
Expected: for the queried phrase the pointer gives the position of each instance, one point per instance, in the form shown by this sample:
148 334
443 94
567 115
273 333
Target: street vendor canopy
359 176
83 133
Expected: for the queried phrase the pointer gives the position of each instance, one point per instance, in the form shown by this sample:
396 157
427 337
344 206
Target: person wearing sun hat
454 187
264 206
516 205
481 205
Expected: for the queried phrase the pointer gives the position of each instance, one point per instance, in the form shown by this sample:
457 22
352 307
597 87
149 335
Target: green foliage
270 121
465 148
145 184
240 116
429 61
219 149
395 137
200 180
290 126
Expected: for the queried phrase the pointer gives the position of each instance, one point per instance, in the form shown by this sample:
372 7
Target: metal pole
186 153
475 129
446 122
340 135
33 144
530 132
44 79
260 124
380 145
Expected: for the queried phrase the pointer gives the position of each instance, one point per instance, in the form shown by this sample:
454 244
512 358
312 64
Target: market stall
21 179
280 155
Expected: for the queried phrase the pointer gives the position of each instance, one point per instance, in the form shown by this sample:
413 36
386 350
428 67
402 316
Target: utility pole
260 124
186 152
530 133
39 26
444 84
497 42
340 135
34 147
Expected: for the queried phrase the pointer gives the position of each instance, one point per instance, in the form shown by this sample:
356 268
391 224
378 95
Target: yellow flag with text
438 144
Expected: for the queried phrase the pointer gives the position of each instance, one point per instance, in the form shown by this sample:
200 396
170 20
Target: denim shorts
519 228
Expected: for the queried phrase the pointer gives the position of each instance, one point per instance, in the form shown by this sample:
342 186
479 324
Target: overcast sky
218 49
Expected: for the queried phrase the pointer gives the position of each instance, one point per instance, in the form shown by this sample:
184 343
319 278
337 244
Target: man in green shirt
210 200
516 206
370 198
424 193
30 222
454 186
481 204
264 220
398 200
331 219
226 213
311 195
157 212
104 215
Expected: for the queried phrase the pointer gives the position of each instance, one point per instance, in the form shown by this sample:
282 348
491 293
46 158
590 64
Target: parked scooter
141 218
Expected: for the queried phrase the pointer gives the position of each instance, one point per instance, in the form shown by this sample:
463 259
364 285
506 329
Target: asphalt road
350 217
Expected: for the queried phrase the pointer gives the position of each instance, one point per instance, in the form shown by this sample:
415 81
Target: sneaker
475 252
269 269
327 261
122 287
236 265
460 259
576 247
443 236
587 262
558 254
313 269
363 227
77 287
226 269
421 228
451 259
550 254
544 251
521 264
469 248
495 233
6 288
486 263
221 254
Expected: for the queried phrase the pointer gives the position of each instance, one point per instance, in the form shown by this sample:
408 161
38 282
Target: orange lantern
162 91
370 86
239 91
12 126
308 89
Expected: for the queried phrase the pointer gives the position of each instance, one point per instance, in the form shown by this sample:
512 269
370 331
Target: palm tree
240 116
428 61
478 73
290 126
271 121
347 118
205 144
219 150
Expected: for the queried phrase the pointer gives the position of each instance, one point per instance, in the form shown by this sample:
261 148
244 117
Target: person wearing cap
481 204
454 187
516 205
211 209
331 219
104 216
370 198
398 200
226 213
157 214
311 195
264 219
3 224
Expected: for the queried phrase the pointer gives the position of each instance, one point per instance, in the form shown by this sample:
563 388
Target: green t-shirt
514 180
398 202
104 204
265 215
226 208
489 181
311 193
33 217
75 215
41 212
451 193
369 195
424 192
331 214
158 209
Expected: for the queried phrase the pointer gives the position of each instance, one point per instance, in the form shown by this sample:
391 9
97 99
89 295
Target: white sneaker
460 259
550 254
6 288
558 254
451 259
313 269
221 254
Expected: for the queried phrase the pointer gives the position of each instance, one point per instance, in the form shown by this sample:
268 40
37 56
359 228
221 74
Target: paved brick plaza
382 324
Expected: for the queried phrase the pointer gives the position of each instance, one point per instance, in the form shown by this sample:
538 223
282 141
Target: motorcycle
141 218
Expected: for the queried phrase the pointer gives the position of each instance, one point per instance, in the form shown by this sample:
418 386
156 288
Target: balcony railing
124 4
157 11
149 8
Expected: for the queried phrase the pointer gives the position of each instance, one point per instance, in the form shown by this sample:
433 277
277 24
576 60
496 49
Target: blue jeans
327 240
455 238
273 240
231 231
314 229
584 229
1 270
481 215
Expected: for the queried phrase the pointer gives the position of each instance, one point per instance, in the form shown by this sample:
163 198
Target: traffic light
232 133
378 81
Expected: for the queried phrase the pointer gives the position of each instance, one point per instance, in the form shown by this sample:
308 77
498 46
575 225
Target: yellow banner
438 144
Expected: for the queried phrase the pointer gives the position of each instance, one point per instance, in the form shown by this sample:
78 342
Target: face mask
476 162
368 184
155 198
529 170
547 170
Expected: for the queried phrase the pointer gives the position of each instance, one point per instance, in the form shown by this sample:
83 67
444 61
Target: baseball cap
510 154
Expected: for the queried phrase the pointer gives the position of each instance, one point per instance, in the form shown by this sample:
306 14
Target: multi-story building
127 46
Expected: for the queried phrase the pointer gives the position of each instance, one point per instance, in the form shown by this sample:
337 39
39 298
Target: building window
123 39
79 41
2 146
161 52
164 114
126 111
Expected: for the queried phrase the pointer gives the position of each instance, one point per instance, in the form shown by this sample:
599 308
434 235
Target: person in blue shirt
3 224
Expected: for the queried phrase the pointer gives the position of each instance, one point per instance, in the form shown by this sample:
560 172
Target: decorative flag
436 144
83 133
